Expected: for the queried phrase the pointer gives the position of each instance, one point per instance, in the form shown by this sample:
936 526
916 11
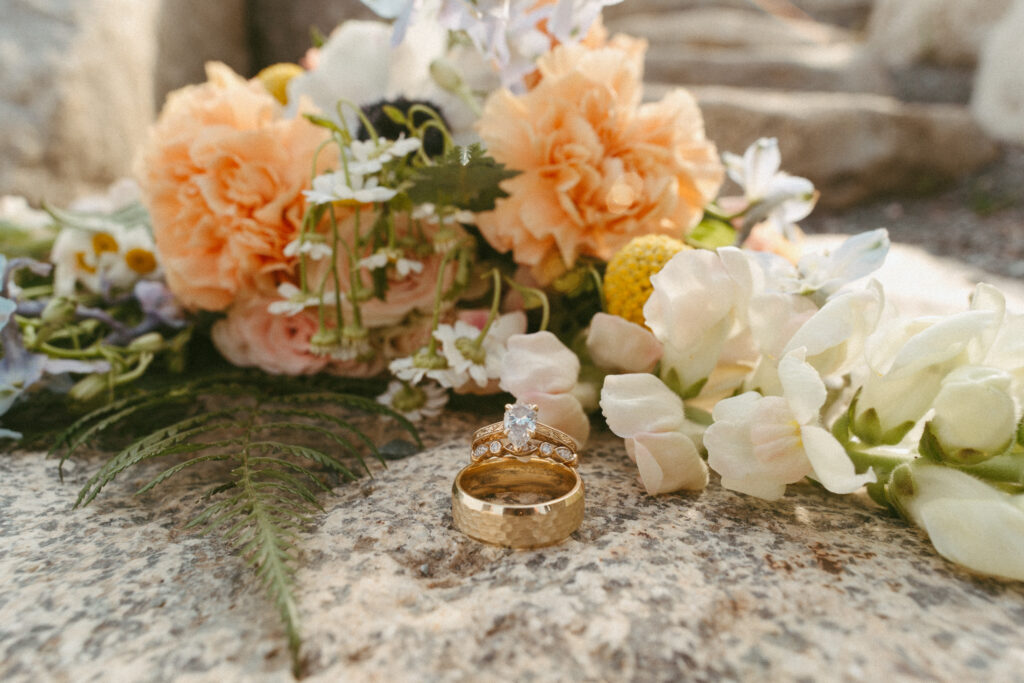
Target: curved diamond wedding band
533 465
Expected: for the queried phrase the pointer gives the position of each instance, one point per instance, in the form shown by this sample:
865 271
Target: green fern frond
269 485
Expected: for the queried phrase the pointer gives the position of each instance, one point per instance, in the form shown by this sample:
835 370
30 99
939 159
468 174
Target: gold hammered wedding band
529 462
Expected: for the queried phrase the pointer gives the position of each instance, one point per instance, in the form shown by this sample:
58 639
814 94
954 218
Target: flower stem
492 315
432 344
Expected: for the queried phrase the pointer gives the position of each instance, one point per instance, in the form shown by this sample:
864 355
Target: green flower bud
89 387
58 311
975 417
151 341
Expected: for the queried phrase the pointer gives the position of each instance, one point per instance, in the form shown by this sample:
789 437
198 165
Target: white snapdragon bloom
822 274
782 199
968 521
975 415
759 444
293 300
312 246
620 346
539 369
652 420
1002 345
414 402
355 188
906 363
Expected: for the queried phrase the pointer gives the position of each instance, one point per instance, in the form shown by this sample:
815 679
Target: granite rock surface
684 586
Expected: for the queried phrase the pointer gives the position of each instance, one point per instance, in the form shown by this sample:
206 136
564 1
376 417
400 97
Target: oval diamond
520 424
546 448
495 447
563 453
480 450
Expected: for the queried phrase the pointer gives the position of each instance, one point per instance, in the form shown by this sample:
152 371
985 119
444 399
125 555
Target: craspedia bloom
597 167
627 282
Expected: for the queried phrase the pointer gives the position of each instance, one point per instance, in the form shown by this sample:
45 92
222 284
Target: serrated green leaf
466 177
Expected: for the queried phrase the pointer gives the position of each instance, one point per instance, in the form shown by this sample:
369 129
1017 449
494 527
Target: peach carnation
251 336
222 175
598 168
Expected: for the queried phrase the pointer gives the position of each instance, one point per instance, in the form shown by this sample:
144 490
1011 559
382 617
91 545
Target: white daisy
335 187
414 402
293 301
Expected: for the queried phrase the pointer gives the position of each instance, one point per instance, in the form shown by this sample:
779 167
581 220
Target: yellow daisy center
142 261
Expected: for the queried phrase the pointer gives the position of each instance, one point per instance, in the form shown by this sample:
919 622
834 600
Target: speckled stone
685 586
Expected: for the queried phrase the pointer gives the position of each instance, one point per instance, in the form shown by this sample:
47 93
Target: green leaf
711 233
465 178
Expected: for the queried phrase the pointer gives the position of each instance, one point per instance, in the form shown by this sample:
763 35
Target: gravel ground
980 220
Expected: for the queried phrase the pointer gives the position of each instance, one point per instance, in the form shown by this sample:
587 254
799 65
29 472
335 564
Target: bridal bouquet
477 199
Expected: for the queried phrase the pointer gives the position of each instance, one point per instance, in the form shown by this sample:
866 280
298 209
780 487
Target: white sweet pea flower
293 302
540 369
699 298
759 444
975 416
336 187
906 363
312 246
782 199
652 420
968 521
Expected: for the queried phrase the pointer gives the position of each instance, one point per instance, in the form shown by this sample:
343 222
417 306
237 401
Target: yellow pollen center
141 261
102 242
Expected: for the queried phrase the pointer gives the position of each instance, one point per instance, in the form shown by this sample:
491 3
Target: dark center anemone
433 141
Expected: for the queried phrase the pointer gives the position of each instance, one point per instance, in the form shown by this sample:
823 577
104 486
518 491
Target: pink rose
251 336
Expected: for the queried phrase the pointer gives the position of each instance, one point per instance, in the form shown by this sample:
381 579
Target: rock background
81 80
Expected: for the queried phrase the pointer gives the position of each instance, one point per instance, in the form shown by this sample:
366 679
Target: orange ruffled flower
598 168
223 176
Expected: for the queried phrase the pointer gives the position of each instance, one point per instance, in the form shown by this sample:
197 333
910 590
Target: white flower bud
975 416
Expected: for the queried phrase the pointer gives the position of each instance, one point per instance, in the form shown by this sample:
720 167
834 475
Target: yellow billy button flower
275 79
627 281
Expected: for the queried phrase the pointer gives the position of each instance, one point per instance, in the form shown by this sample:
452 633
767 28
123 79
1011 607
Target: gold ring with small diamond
520 435
521 488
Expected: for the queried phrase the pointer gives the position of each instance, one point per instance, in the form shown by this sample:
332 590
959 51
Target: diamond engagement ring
521 488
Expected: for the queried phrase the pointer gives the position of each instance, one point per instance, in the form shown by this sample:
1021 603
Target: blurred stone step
725 27
842 67
853 146
847 13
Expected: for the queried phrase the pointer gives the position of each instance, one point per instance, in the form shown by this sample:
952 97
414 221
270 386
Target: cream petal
983 535
832 466
538 362
669 462
802 386
561 411
637 403
618 345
